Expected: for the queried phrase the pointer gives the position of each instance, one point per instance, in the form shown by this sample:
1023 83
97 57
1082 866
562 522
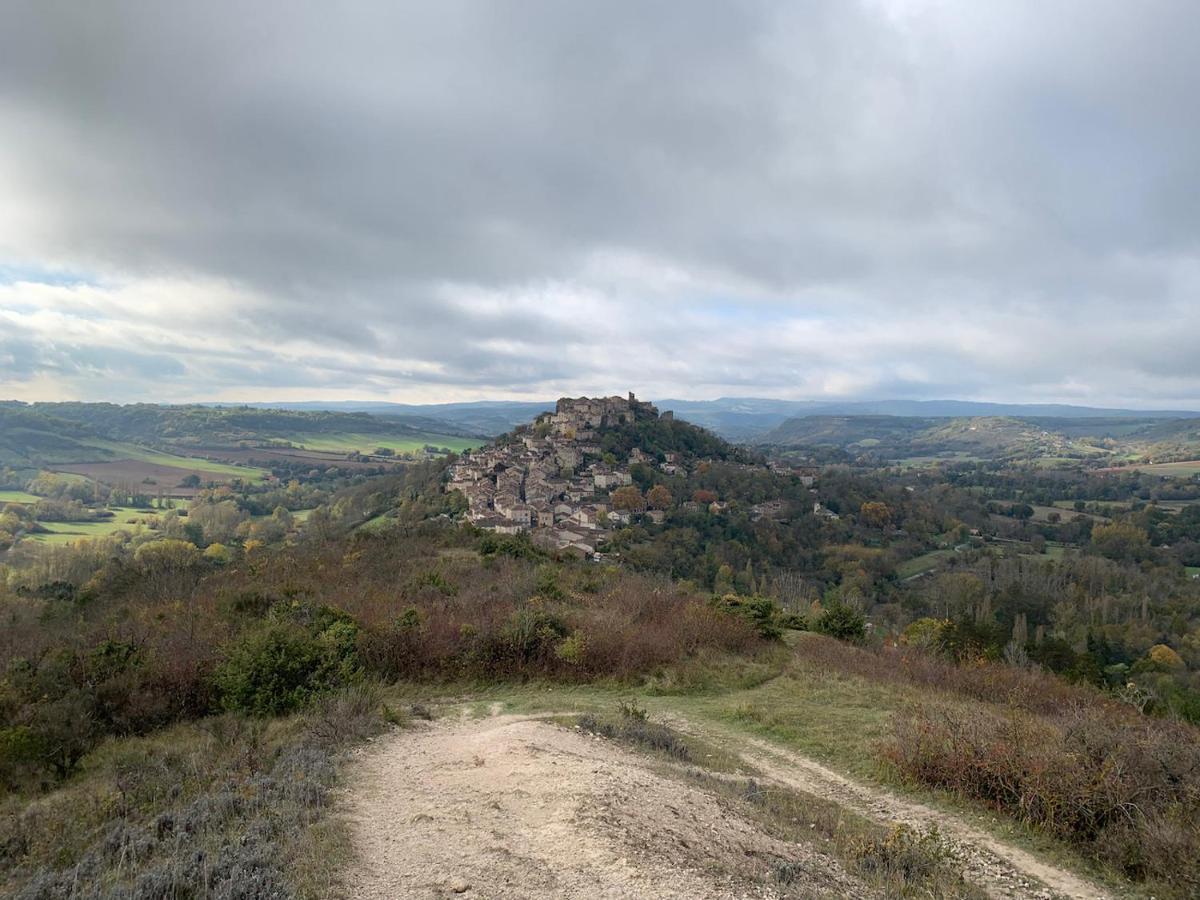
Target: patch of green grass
122 450
368 443
17 497
70 532
1172 469
925 563
123 519
1193 571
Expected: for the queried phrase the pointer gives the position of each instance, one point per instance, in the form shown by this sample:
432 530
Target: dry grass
224 807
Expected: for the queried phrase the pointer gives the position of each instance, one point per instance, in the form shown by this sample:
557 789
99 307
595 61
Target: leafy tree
875 514
659 497
628 498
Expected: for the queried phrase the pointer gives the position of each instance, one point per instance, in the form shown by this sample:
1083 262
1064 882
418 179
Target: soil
508 807
514 806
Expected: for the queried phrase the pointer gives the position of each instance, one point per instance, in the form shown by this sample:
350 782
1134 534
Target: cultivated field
124 518
368 443
17 497
1184 469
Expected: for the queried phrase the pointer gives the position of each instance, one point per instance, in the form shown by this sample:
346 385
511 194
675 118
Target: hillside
1117 439
44 435
744 419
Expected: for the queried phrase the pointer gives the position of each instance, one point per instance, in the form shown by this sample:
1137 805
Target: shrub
633 726
1124 792
279 668
842 622
760 612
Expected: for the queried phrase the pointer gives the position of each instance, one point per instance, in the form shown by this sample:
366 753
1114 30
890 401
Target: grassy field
122 450
1194 571
368 443
17 497
1172 469
70 532
1109 505
924 563
1043 513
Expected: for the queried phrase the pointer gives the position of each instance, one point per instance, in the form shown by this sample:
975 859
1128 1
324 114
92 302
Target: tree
217 521
703 497
628 498
842 622
875 514
169 568
1121 541
659 497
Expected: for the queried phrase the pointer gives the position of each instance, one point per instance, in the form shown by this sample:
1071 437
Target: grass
122 450
1184 469
1043 514
69 532
897 860
835 718
17 497
223 807
919 565
1193 571
368 443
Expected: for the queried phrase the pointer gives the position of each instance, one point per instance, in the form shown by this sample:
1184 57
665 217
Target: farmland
368 443
1185 469
921 564
122 451
124 519
17 497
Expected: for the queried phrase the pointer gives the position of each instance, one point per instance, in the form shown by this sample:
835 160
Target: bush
842 622
281 667
1124 792
760 612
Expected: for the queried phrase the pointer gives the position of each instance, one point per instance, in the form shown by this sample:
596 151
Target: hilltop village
554 479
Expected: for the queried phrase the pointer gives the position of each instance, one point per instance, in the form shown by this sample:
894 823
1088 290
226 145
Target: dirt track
512 806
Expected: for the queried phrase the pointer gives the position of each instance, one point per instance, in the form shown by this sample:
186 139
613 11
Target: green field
69 532
925 563
122 450
367 443
1172 469
17 497
1065 514
1194 571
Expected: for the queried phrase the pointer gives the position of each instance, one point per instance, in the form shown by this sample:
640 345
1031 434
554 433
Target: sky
423 202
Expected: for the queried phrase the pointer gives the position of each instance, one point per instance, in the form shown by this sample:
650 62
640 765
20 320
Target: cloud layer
464 199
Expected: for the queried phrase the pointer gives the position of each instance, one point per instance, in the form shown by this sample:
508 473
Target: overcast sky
465 200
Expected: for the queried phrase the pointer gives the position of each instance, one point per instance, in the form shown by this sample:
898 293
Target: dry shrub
1127 793
1031 689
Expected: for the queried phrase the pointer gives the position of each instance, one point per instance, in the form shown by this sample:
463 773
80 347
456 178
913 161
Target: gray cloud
888 197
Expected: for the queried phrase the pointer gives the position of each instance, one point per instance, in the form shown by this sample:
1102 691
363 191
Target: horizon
416 204
550 401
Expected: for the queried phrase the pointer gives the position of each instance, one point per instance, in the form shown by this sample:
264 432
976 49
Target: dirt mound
514 807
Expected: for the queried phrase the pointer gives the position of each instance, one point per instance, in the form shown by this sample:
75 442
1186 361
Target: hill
1102 440
745 419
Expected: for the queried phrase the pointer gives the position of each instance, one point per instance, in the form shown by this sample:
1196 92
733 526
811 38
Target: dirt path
1003 870
509 806
513 806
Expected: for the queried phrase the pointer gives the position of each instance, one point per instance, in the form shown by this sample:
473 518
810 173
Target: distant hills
734 418
1098 439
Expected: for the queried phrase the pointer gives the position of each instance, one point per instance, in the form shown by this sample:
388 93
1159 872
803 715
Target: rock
459 885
